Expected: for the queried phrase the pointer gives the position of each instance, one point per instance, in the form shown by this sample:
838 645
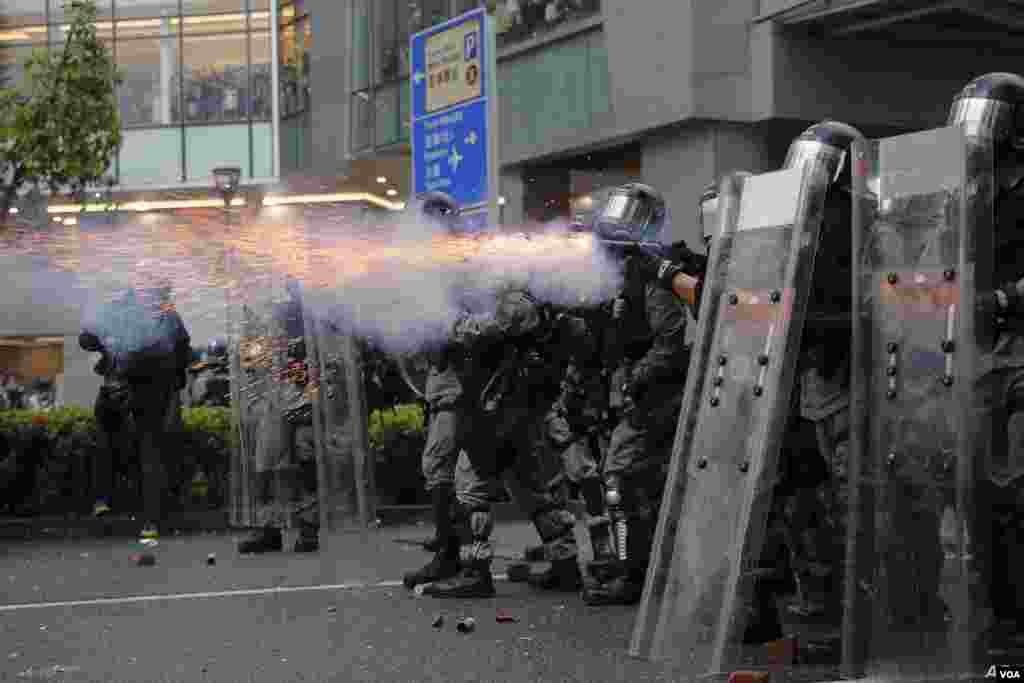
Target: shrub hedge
45 457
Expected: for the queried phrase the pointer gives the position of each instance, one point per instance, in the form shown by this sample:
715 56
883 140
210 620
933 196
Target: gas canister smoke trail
400 283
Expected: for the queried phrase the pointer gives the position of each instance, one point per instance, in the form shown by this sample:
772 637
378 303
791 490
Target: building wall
330 72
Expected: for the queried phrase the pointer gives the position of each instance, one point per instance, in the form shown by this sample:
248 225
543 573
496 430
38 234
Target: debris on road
211 559
143 559
749 677
332 609
466 625
418 591
438 621
503 617
49 672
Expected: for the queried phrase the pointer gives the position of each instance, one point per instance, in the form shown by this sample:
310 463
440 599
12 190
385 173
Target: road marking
249 592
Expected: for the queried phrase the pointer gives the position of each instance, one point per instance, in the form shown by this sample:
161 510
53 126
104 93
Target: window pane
149 93
191 7
12 64
25 13
207 147
152 26
385 22
520 20
262 150
362 120
145 9
387 123
426 13
151 156
286 12
59 15
360 44
216 78
260 98
259 20
59 35
215 23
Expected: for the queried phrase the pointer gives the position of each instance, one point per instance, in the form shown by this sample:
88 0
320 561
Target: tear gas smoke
399 281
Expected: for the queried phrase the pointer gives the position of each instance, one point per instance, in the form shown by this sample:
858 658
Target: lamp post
226 180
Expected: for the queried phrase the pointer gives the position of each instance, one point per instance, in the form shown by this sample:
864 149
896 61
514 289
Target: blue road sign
450 111
450 153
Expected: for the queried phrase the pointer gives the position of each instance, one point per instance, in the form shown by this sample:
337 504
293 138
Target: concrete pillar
168 68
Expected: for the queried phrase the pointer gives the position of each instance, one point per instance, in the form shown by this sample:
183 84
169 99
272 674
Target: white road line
212 594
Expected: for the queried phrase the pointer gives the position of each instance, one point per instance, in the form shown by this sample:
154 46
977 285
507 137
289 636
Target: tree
62 127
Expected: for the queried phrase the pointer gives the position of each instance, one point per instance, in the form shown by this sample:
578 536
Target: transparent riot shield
921 422
714 516
345 472
257 368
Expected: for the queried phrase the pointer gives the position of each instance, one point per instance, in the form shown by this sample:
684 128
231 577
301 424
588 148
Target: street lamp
226 179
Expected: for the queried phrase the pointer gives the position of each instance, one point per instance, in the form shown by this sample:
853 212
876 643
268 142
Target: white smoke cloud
411 297
398 281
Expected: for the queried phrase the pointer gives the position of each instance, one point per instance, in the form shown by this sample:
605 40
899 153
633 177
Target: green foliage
388 425
62 127
66 440
63 421
207 419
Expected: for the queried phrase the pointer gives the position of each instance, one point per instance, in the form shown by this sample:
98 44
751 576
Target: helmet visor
707 216
982 117
623 218
803 151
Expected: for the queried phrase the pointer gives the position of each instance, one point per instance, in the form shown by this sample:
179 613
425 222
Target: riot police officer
515 360
210 383
287 461
991 108
444 397
647 358
145 353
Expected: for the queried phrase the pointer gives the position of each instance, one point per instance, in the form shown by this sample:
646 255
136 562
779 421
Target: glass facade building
198 83
380 53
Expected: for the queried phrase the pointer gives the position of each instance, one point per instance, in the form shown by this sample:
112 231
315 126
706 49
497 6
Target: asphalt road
83 611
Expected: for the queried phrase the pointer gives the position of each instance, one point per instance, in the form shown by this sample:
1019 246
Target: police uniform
516 380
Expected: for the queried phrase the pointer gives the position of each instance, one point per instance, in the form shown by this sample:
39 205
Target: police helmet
632 213
217 348
990 107
441 208
828 142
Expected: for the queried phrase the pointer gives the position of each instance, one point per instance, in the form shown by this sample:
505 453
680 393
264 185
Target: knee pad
480 521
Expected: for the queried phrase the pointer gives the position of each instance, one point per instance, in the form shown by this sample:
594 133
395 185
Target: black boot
309 538
563 576
442 499
474 581
605 564
445 563
265 540
627 587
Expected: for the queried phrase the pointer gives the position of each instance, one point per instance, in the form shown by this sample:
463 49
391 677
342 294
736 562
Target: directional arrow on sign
471 138
418 77
454 159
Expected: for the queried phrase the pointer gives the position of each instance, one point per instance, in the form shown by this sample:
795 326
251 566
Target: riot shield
257 366
714 515
345 473
921 419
